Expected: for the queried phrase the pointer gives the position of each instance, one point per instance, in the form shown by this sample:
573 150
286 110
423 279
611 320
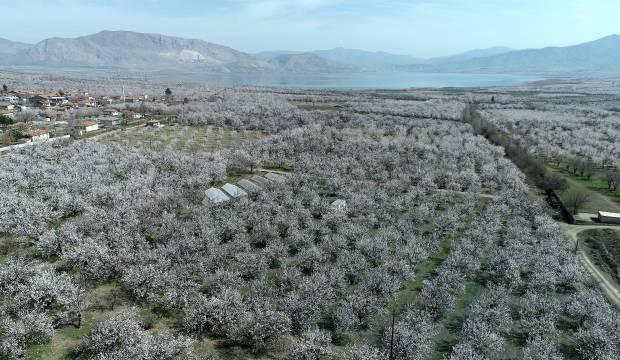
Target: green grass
452 322
102 302
603 247
602 199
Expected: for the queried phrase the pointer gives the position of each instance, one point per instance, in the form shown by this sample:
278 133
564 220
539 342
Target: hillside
365 58
8 47
472 54
598 55
124 49
130 49
308 62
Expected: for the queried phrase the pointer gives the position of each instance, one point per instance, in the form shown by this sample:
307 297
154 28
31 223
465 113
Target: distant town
28 116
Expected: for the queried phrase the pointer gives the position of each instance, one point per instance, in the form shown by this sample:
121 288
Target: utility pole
392 335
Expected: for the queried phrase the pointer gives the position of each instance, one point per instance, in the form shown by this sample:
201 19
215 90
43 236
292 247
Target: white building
275 177
58 100
111 112
86 126
217 196
234 190
248 186
36 135
5 105
338 205
10 99
608 217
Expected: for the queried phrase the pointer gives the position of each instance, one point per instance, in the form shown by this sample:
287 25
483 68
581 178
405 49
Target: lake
361 81
354 81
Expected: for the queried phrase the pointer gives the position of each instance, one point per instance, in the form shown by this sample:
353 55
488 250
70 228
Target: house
40 101
36 135
107 121
217 196
153 123
84 102
6 105
105 100
234 190
85 126
9 98
58 100
132 115
22 94
135 99
8 113
111 112
608 217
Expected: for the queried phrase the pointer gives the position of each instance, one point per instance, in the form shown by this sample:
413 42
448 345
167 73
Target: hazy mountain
365 58
131 49
8 47
307 62
154 51
272 55
472 54
599 55
354 57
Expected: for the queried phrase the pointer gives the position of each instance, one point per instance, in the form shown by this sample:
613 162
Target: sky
422 28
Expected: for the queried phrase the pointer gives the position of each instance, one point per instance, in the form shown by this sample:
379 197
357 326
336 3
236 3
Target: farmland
111 240
603 247
182 138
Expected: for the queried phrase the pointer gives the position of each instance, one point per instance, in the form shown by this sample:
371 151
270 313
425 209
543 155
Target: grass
602 199
603 247
452 323
102 302
188 139
409 294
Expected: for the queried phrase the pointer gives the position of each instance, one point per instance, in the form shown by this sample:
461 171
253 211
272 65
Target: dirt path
609 287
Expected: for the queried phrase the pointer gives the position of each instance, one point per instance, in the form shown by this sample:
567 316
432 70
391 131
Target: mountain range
125 49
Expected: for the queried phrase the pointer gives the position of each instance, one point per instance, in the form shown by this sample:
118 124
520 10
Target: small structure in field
234 190
275 177
217 196
86 126
263 182
36 135
338 205
153 123
608 217
248 186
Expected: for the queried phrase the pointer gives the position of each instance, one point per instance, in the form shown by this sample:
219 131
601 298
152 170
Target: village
28 117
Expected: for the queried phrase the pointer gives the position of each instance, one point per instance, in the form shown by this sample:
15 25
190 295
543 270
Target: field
182 138
109 249
603 247
601 199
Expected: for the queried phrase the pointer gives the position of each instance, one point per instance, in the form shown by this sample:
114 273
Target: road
609 287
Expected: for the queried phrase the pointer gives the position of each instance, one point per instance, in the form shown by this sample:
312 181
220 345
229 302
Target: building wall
608 220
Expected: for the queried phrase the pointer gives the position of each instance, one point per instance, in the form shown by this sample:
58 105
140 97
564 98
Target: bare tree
576 199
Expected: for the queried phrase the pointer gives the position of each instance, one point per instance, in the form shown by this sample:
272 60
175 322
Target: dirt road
609 287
